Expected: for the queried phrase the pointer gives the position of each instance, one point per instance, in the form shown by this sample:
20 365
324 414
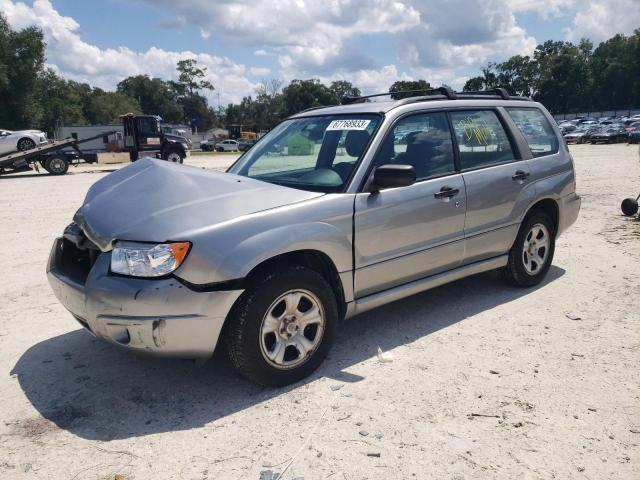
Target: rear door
403 234
497 181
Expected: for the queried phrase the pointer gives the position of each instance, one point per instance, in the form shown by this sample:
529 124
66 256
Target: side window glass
536 130
482 140
422 141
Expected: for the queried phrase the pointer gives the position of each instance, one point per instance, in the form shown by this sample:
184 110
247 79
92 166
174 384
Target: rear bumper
161 317
569 211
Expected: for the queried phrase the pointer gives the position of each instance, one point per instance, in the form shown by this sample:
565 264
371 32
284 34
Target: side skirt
369 302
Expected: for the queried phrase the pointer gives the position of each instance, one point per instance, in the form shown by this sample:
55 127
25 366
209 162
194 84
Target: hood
26 132
175 138
157 201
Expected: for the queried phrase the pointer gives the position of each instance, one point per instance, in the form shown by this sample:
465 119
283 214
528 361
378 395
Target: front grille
77 254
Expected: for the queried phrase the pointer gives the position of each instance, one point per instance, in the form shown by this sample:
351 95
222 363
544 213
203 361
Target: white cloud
78 60
598 20
482 31
259 71
261 53
309 34
544 8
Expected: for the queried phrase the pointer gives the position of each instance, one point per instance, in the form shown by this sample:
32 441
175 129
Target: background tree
404 85
191 77
343 87
106 107
302 94
21 63
155 97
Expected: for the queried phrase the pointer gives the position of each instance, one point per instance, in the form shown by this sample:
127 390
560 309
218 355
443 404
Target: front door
404 234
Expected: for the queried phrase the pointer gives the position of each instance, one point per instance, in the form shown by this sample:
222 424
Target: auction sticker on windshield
356 124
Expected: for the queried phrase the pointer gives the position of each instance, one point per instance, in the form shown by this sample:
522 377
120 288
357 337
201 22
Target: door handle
446 192
520 175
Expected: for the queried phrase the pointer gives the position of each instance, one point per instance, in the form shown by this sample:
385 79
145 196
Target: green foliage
106 107
303 94
342 88
190 78
406 85
21 61
569 78
155 96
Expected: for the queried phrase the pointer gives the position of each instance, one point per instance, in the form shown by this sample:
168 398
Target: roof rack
442 93
444 90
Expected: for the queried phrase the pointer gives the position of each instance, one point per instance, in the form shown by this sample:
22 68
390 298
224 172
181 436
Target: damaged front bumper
158 316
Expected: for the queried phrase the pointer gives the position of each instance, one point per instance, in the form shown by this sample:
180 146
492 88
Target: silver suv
334 212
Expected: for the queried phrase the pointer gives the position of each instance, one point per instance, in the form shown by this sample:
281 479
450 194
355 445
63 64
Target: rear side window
536 130
482 140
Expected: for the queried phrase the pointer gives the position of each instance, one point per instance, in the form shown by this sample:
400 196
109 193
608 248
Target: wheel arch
315 260
550 207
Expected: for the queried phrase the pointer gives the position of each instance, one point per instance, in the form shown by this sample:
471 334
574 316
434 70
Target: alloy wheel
535 249
292 329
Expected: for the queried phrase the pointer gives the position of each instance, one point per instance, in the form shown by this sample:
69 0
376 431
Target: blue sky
371 43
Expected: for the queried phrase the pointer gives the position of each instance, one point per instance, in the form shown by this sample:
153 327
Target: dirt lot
486 381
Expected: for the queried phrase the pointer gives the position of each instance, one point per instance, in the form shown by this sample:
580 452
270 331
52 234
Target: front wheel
531 255
282 327
173 156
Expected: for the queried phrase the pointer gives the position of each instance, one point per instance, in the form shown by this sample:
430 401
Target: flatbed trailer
50 156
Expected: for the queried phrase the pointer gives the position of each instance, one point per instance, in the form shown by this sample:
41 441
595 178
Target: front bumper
160 316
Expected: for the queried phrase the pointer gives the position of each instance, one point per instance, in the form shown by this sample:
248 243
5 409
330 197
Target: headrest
355 142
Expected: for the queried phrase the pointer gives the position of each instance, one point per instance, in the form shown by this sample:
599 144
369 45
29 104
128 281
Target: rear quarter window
536 130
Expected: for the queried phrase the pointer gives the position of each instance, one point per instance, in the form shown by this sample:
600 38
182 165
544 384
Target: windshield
311 153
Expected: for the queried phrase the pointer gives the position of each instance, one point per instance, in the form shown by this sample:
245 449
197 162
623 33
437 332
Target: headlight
147 259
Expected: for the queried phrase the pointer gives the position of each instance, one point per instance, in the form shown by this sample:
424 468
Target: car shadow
99 392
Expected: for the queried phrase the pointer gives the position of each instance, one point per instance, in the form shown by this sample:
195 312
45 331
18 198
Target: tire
56 165
249 346
174 156
517 272
25 144
629 206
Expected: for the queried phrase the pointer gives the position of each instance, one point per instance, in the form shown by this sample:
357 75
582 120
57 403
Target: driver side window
422 141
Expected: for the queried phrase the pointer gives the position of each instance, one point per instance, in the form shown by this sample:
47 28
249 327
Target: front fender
322 237
230 251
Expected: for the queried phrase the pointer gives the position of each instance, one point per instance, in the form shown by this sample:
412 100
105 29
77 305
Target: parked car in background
579 135
208 145
227 146
20 140
608 134
269 257
246 144
630 127
633 136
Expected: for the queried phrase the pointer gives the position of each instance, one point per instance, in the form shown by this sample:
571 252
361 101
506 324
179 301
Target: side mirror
391 176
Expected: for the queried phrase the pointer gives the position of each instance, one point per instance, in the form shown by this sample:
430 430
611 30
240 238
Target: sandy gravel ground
486 381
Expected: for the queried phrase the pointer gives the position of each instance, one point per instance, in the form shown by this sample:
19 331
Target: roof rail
501 92
444 90
441 93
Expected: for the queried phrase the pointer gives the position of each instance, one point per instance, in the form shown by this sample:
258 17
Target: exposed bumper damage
159 316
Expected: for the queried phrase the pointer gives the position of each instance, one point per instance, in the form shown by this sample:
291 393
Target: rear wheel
282 327
56 165
26 144
532 253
